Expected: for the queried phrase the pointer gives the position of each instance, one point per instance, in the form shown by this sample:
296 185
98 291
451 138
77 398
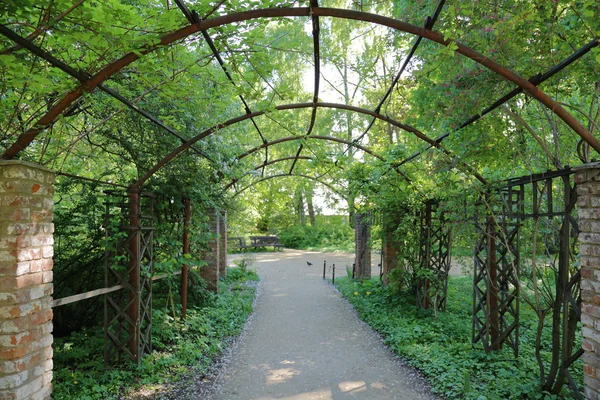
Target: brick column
26 239
362 259
223 244
210 271
587 179
390 255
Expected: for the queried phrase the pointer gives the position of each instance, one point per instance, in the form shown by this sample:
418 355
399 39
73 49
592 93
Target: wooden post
186 251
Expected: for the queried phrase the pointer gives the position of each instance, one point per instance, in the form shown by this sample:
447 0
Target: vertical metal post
333 278
381 261
324 266
134 272
493 286
563 280
186 250
353 270
427 254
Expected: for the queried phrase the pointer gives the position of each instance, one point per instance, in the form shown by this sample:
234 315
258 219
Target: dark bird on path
308 263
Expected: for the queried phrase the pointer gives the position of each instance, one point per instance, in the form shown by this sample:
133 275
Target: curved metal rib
26 138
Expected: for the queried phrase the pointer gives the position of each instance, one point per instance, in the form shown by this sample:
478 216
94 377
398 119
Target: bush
331 233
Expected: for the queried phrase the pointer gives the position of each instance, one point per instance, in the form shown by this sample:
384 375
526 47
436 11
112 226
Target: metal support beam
295 106
429 23
109 70
266 178
186 251
193 18
83 77
535 80
134 272
317 62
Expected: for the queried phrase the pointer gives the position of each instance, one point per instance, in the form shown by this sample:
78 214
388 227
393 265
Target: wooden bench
239 242
265 241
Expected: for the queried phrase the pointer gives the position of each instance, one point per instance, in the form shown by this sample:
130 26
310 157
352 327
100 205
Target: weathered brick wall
223 244
210 271
26 239
362 258
587 179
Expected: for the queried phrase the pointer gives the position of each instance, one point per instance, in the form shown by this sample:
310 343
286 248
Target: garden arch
38 181
105 73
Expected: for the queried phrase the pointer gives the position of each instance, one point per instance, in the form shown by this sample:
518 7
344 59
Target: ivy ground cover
180 347
440 345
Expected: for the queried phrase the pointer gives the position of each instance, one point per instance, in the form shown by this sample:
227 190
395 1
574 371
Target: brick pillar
210 271
362 259
587 179
26 239
390 255
223 244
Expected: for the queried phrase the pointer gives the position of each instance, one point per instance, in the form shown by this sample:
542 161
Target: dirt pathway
305 342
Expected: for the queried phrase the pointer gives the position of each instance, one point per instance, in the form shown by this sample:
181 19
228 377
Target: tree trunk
309 205
300 207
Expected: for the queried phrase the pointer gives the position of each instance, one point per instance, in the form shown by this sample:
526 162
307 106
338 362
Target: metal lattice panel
129 262
434 258
550 206
496 273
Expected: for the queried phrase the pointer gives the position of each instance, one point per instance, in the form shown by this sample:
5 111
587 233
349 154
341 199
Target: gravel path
306 342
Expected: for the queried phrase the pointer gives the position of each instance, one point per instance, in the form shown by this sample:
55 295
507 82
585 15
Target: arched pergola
314 12
54 106
186 145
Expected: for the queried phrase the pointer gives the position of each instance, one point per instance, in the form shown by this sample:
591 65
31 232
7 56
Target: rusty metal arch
174 153
266 178
264 164
317 137
105 73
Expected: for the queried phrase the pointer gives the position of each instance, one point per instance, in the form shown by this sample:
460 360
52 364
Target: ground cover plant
180 347
440 346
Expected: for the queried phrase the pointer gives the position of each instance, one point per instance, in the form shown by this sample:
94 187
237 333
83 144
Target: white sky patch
328 202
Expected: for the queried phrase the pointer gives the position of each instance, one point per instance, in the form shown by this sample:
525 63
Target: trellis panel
128 262
434 258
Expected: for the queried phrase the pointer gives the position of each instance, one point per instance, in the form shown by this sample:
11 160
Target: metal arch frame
266 178
105 73
264 164
316 31
267 163
174 153
317 137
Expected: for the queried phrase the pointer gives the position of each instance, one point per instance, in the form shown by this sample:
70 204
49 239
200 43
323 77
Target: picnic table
255 242
265 241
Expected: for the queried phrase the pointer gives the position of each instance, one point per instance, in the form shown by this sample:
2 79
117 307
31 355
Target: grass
441 347
180 347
